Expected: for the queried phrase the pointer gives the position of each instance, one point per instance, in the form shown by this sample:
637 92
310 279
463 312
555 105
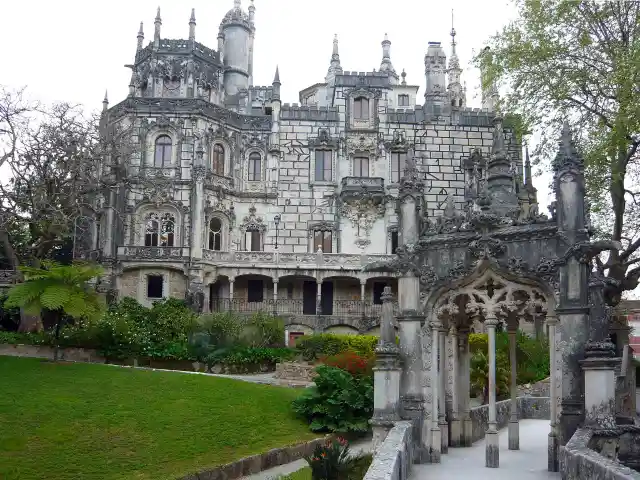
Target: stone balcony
153 253
354 188
329 261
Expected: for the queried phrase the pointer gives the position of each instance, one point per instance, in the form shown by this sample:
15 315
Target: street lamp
276 219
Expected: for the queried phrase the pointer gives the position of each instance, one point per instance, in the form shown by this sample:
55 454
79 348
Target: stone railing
338 261
153 253
528 407
579 461
393 460
356 186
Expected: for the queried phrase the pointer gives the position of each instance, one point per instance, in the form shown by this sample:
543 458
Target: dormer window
361 108
403 100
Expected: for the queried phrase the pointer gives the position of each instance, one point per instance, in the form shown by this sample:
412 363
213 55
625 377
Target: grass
62 421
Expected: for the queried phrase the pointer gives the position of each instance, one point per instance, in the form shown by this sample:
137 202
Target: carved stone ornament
253 140
362 144
158 190
199 173
362 213
252 222
487 247
323 140
216 204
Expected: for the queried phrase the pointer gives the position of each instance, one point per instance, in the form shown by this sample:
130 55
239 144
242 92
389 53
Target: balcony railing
337 308
356 187
303 260
153 253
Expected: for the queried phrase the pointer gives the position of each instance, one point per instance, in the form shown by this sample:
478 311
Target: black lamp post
276 219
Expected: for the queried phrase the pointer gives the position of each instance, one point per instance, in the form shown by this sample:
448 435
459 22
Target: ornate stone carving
487 247
199 173
323 140
252 222
362 144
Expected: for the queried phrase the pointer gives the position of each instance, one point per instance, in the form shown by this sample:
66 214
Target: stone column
318 297
275 296
362 288
198 174
456 425
435 441
411 385
231 282
600 384
442 391
553 446
465 390
514 426
492 454
386 376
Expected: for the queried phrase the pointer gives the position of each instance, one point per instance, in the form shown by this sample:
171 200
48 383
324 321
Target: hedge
313 347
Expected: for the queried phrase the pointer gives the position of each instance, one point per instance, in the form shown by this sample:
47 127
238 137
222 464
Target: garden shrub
351 362
338 402
331 461
263 330
313 347
19 338
248 356
479 375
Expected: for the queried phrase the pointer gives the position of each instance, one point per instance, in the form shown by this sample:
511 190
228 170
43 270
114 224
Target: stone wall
294 371
394 458
538 389
528 407
579 461
43 351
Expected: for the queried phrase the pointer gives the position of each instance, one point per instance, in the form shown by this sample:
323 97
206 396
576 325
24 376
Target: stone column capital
552 320
491 321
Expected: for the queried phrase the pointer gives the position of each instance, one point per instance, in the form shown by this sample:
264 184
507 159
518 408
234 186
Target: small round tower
237 29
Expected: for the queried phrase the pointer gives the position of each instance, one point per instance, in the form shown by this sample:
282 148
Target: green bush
17 338
479 375
246 356
263 330
338 402
331 461
313 347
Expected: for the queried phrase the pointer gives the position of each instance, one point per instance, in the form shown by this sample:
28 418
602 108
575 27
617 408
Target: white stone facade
264 205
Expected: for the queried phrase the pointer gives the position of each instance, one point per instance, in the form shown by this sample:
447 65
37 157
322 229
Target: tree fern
60 290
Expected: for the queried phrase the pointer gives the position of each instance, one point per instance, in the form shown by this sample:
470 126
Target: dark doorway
214 297
309 291
326 298
378 290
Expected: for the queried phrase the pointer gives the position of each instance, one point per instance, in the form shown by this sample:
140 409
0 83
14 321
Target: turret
252 18
386 65
156 33
435 63
236 30
500 172
105 102
334 67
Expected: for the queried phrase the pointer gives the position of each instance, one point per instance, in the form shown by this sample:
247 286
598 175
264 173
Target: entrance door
309 291
326 298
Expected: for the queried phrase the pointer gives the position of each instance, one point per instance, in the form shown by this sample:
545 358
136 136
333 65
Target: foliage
338 402
357 471
331 461
20 338
57 292
479 375
579 61
313 347
263 330
351 362
250 356
9 317
148 425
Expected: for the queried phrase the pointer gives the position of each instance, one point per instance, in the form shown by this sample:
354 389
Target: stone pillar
231 282
411 387
435 441
456 425
197 210
600 384
492 455
275 296
553 446
465 390
386 376
442 391
318 297
362 288
514 426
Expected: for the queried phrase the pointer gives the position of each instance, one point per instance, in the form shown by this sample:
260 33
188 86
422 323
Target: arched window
162 157
160 230
215 234
255 167
361 108
217 159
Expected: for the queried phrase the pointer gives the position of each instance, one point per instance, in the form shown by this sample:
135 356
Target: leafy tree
579 60
58 292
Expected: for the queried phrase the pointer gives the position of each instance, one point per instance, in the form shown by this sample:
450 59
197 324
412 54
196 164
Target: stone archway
489 298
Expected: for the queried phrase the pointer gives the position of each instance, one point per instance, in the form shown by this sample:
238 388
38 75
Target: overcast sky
74 50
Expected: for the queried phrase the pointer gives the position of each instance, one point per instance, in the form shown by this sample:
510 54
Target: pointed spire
192 26
276 85
404 77
527 167
237 4
567 156
450 207
105 102
386 65
252 12
140 37
156 34
335 67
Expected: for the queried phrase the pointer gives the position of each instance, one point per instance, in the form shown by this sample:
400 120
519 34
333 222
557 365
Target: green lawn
64 421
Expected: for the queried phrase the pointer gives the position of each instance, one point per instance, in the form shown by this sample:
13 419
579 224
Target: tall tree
579 60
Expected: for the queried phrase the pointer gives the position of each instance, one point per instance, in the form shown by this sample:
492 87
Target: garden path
528 463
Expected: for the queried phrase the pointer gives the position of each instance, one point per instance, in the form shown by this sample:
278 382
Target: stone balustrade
394 458
336 261
153 253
